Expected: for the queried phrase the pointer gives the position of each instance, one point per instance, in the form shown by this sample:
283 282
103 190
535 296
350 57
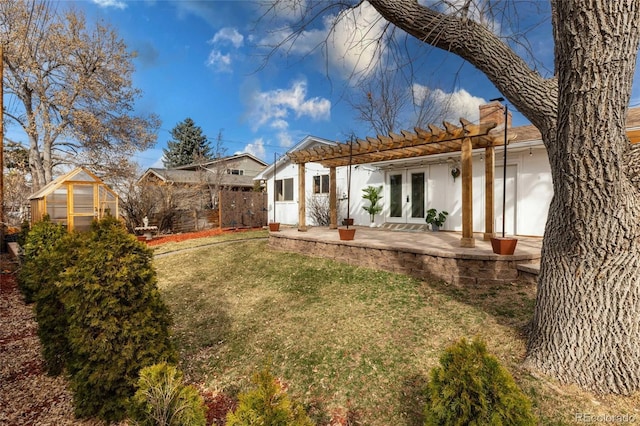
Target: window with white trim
284 189
321 184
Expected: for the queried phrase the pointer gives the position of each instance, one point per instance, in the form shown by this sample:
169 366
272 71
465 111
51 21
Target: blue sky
202 59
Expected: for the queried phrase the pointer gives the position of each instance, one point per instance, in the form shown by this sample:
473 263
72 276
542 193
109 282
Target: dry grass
345 338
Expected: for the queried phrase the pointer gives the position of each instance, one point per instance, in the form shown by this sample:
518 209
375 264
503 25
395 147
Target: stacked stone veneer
458 269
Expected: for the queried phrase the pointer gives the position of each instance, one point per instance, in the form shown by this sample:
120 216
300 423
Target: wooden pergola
421 142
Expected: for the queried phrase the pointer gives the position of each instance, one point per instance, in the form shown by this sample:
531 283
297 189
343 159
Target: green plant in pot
436 219
372 194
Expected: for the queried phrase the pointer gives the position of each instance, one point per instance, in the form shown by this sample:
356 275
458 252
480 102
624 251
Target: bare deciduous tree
585 328
389 103
68 86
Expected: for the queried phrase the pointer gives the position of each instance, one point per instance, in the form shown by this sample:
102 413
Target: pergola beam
405 145
409 144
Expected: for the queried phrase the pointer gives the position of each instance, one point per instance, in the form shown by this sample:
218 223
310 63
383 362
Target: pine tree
188 145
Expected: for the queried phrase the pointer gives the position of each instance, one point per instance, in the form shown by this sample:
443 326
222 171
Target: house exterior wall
533 190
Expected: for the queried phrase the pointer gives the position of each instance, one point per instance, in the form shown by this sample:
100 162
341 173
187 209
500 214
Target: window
284 189
321 184
235 172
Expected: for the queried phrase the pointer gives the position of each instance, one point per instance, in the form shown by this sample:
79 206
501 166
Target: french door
407 195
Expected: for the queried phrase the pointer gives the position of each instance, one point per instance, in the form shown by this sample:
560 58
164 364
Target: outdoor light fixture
504 163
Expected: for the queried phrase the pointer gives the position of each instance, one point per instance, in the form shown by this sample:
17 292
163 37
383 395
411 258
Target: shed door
83 208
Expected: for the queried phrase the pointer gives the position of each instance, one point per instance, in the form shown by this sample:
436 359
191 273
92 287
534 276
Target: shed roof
79 174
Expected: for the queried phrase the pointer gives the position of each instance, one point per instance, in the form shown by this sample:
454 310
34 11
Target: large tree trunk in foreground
586 328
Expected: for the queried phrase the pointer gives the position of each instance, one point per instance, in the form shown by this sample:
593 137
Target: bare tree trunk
586 328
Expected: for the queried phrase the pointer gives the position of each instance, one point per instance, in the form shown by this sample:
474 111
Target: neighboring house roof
79 174
307 142
222 160
210 172
191 177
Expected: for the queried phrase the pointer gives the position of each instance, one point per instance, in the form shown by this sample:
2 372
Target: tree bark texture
586 326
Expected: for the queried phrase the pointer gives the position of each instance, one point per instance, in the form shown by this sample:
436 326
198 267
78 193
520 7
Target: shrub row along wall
100 315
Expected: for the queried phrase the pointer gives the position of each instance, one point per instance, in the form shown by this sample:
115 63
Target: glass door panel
417 195
395 196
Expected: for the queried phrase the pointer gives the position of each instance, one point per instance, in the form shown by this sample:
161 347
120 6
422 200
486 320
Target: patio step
406 227
528 272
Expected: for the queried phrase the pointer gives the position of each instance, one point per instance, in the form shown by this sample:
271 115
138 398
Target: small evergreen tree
188 145
162 399
470 387
118 322
268 404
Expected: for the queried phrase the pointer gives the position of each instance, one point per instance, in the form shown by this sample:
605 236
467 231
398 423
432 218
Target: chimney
493 112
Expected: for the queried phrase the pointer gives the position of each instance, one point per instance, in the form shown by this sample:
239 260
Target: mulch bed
28 396
175 238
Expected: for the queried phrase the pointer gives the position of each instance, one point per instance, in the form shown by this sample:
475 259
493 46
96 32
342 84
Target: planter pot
504 246
347 222
274 226
346 234
434 227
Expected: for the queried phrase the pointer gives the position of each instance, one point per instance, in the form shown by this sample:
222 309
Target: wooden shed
74 200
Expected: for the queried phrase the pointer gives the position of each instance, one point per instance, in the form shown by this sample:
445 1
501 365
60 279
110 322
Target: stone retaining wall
461 270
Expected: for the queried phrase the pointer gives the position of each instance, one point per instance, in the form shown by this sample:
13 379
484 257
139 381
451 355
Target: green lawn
344 338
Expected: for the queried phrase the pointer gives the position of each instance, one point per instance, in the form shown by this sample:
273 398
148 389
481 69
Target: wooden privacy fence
242 209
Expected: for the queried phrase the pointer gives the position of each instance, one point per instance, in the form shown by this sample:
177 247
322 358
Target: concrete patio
416 252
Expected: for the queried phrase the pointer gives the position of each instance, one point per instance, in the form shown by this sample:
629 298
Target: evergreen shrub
470 387
36 265
162 399
51 315
47 249
267 404
118 322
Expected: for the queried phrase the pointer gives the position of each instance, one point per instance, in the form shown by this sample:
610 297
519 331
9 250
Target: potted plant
436 219
372 194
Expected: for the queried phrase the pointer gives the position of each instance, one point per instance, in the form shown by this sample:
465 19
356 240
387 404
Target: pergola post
467 239
333 197
302 211
489 183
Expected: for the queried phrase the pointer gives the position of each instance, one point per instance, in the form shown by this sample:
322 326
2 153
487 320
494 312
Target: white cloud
256 148
351 40
118 4
275 107
285 139
454 105
222 62
356 40
219 61
230 35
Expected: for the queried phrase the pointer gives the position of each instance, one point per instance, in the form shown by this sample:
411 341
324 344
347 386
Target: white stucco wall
533 190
